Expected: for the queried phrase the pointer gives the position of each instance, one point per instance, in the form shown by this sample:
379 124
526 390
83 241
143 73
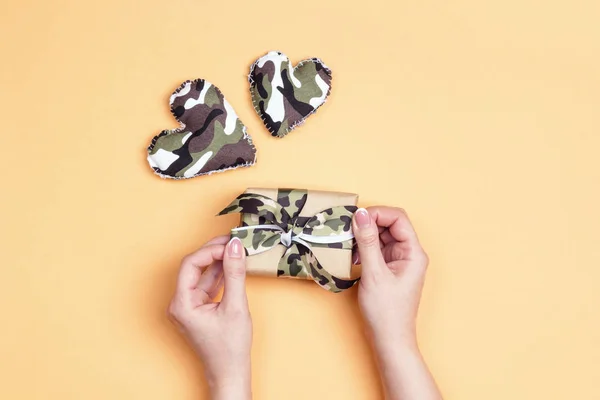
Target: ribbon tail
291 264
257 239
321 276
264 207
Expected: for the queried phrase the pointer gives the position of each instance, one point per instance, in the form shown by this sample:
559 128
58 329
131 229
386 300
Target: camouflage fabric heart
211 137
284 96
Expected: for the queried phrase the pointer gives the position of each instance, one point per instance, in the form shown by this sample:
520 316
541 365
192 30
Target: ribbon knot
286 238
267 223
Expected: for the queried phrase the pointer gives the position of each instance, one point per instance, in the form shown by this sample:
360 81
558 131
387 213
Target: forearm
404 374
235 386
232 392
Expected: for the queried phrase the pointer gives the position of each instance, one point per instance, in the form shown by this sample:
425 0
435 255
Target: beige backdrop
480 118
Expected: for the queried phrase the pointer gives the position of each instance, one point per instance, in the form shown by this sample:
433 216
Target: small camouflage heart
211 137
284 96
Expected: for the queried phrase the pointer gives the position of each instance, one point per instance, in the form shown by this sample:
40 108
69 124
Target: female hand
220 333
394 265
393 273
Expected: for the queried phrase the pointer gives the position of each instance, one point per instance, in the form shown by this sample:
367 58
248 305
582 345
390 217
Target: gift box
297 233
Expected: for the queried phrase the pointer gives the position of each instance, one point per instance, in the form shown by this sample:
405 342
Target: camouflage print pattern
292 202
284 96
292 264
300 256
298 261
332 221
267 209
211 137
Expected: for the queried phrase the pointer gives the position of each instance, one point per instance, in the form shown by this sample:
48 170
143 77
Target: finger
367 241
356 254
234 275
206 293
223 239
394 252
210 278
386 237
397 222
190 271
217 288
355 257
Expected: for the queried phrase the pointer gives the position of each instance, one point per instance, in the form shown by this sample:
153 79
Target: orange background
480 118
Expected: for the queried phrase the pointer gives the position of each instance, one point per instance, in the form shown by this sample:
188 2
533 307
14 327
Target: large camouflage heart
211 137
284 96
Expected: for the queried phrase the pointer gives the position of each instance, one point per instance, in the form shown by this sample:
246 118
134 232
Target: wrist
397 347
391 338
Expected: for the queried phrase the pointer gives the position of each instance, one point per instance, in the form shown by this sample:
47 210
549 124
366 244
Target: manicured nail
235 248
363 219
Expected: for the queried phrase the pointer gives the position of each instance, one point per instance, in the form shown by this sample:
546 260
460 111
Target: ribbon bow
273 222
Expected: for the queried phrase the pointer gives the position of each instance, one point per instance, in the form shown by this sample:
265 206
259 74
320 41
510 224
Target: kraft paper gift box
297 233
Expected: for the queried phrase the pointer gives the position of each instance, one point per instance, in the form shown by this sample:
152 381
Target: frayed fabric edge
157 171
178 178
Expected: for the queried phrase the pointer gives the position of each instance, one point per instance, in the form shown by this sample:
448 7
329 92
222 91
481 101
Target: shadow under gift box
337 262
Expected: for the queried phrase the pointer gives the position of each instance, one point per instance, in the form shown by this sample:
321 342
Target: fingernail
363 219
235 248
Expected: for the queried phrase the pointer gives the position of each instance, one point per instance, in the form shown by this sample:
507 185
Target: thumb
367 240
234 275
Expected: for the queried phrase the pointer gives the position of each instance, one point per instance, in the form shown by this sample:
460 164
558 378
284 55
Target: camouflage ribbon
267 223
